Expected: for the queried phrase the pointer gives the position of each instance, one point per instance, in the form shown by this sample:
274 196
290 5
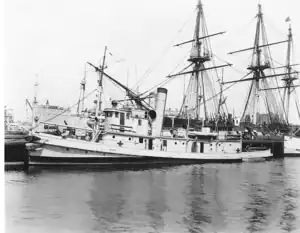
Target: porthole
229 144
67 149
113 136
129 139
183 143
175 143
210 144
86 151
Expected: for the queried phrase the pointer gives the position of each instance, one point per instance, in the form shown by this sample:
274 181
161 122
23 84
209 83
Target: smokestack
160 104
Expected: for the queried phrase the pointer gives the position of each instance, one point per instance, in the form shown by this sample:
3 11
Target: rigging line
66 109
271 25
170 45
270 58
205 29
281 64
181 63
227 87
238 71
166 80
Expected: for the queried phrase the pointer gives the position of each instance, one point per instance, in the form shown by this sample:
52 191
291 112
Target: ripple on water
248 197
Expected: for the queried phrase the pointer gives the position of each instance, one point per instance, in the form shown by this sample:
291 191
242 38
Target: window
117 114
127 115
164 142
140 122
141 140
146 115
108 114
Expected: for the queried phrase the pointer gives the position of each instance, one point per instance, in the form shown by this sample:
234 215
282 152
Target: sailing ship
263 109
292 142
202 107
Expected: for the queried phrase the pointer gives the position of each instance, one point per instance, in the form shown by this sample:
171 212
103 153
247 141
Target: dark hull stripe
292 154
37 160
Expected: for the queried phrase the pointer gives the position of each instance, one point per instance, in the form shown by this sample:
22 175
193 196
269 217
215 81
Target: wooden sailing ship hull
54 151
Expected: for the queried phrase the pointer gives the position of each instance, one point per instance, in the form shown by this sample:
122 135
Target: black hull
292 155
15 151
121 161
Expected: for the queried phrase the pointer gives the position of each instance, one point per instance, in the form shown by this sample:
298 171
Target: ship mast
288 79
82 93
200 54
100 87
5 118
259 63
221 94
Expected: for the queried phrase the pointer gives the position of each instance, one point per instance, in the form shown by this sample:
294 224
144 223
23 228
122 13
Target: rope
164 52
167 80
228 87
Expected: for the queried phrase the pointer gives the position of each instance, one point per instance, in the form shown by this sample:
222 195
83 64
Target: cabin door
122 121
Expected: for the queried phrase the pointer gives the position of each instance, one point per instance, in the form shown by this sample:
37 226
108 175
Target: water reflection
249 197
198 215
288 217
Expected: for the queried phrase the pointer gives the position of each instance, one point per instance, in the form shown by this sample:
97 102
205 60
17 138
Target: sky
50 41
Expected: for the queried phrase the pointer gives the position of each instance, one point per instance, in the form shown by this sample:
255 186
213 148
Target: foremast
196 93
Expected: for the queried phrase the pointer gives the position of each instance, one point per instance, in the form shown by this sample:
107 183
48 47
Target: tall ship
266 109
203 103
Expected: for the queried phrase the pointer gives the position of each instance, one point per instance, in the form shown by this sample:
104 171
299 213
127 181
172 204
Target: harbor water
245 197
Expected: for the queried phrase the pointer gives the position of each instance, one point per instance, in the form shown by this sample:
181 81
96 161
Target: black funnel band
152 114
162 90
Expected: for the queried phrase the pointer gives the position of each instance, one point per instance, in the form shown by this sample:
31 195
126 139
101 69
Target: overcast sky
54 39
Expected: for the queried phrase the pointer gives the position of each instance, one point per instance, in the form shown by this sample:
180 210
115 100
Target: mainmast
259 63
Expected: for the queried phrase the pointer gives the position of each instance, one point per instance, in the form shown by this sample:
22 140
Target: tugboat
132 136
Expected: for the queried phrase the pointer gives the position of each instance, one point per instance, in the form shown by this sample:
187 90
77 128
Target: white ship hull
53 150
291 146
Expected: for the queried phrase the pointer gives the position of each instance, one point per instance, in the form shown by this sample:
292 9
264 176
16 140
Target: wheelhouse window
140 122
141 140
117 114
108 114
127 115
